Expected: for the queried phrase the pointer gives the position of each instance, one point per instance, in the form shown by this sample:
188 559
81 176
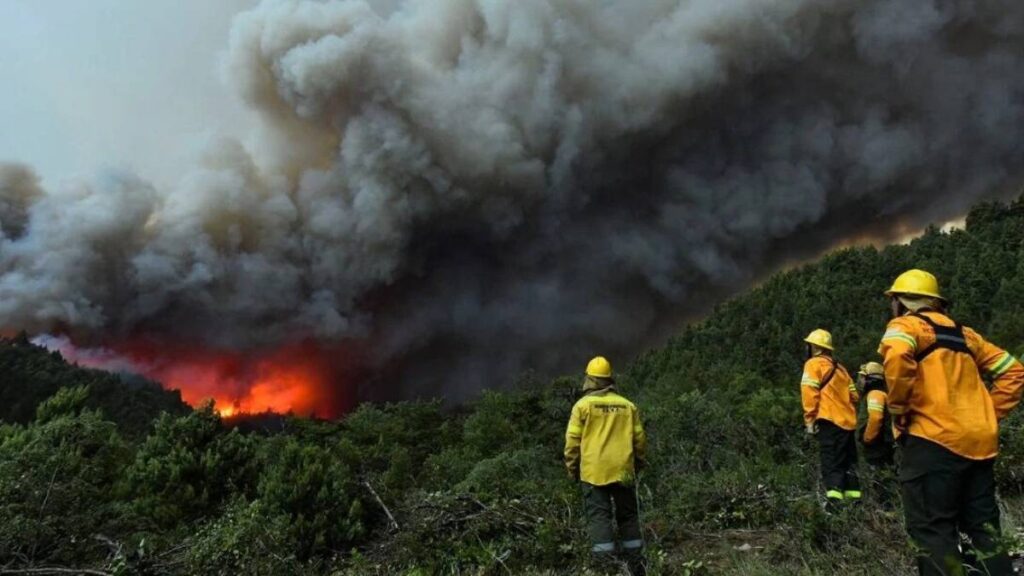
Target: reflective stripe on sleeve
806 380
900 336
1004 364
874 406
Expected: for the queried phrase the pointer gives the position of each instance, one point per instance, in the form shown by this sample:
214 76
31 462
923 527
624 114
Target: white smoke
477 187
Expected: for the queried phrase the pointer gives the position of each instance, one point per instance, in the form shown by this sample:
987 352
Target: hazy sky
93 84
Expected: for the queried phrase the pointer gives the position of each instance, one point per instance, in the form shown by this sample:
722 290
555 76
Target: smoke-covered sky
470 188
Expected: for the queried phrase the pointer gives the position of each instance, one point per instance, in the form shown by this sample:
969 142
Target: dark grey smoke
477 187
19 188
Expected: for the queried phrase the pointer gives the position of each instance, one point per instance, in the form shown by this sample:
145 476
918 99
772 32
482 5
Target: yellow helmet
915 283
872 369
820 338
599 367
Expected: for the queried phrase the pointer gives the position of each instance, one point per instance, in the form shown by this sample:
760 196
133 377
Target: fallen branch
391 518
114 546
55 570
498 559
49 487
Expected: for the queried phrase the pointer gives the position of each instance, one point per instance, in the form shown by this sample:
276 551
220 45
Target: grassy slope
732 486
749 349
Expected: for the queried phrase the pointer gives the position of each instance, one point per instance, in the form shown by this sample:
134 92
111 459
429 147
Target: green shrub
188 467
448 467
515 474
503 420
315 492
55 478
1010 464
245 539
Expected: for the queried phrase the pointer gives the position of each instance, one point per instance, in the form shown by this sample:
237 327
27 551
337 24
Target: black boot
833 502
635 562
605 563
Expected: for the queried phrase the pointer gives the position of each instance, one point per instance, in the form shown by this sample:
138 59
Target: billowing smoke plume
468 188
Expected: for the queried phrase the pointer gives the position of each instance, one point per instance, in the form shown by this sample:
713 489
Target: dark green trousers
881 459
945 495
607 506
884 484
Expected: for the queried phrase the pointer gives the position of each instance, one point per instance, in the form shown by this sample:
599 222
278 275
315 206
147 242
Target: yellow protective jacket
605 439
933 367
828 393
876 400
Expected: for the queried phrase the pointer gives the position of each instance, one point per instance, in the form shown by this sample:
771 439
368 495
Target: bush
246 539
315 492
188 467
515 474
55 478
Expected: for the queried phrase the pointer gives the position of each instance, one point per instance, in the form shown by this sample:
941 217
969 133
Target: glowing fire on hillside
304 379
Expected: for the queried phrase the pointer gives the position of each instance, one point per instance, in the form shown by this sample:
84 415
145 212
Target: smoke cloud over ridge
470 188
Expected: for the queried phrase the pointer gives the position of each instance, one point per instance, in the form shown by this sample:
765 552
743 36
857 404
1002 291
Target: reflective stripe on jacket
876 416
833 399
604 439
936 382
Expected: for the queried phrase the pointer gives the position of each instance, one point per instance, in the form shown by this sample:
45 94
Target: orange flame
304 378
301 379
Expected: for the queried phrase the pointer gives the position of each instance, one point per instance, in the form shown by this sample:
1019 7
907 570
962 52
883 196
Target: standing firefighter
604 446
877 434
830 412
948 424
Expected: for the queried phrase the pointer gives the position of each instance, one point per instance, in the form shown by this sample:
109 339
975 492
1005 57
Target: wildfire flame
305 378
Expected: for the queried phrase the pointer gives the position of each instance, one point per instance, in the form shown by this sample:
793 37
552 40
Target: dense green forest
93 477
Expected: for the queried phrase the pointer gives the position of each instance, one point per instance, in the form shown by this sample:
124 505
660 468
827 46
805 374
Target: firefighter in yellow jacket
604 447
830 398
948 424
877 436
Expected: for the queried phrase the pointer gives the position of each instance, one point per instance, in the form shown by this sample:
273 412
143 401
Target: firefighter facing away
948 423
604 448
830 399
877 435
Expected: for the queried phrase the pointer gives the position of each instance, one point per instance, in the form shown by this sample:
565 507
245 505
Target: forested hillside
413 488
30 374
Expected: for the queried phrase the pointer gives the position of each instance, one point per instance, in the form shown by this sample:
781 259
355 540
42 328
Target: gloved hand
811 429
900 422
574 474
